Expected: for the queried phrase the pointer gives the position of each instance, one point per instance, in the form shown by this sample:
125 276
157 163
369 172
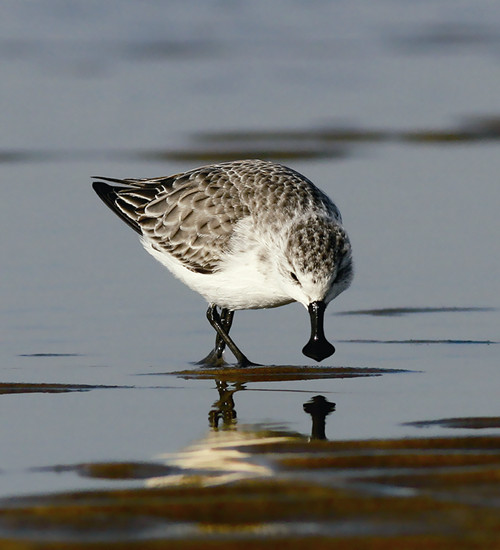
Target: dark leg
223 409
215 358
226 318
222 324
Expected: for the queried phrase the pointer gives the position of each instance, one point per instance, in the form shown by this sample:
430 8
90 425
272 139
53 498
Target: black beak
318 347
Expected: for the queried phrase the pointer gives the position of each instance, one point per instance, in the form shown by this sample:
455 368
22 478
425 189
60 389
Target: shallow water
393 111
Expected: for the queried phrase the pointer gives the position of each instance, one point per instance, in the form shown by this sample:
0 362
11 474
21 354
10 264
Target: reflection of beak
318 347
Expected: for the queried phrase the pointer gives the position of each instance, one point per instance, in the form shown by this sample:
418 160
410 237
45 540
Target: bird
246 234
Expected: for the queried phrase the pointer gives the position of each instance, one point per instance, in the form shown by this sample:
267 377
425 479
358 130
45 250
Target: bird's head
317 267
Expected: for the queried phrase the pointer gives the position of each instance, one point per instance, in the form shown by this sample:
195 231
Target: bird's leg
223 409
214 358
226 318
222 324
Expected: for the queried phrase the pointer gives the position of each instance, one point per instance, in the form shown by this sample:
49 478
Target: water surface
392 111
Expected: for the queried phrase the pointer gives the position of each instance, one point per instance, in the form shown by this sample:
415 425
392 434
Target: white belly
243 282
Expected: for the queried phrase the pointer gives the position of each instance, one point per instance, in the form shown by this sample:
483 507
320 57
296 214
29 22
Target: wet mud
398 493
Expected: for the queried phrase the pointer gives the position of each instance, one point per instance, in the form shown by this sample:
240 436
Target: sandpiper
247 234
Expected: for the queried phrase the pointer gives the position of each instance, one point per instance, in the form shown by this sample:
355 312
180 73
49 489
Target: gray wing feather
181 215
192 216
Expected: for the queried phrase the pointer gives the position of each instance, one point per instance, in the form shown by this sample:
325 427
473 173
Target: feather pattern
193 216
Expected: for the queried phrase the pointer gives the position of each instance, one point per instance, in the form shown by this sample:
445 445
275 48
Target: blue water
105 88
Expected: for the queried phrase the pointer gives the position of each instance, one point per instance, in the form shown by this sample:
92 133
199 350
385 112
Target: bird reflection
319 408
223 414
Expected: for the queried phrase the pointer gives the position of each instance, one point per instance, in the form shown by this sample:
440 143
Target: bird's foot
213 359
244 362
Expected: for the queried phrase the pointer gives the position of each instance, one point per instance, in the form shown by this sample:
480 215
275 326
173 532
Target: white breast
242 282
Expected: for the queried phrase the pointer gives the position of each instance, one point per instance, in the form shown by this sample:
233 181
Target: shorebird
247 234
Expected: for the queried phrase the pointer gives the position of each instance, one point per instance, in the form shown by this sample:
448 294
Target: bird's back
192 216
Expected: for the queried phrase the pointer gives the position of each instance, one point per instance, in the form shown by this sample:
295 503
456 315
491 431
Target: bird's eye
294 277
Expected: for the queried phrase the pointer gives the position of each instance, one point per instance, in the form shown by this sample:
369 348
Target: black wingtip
106 192
100 187
109 194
